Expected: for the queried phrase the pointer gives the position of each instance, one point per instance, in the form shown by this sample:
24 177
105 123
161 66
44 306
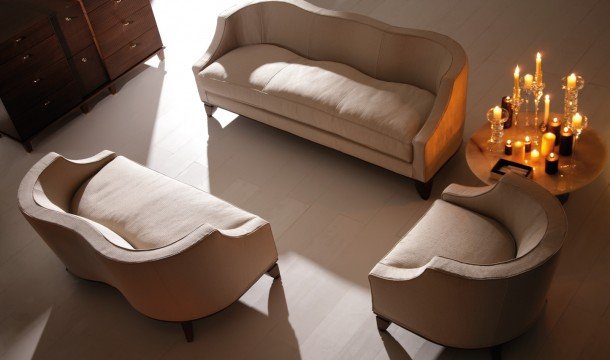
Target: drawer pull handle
133 45
126 22
117 1
26 56
84 59
68 18
19 39
47 103
36 81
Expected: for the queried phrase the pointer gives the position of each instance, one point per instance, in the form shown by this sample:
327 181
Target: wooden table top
576 171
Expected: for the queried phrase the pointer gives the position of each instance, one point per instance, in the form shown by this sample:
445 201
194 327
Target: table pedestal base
563 198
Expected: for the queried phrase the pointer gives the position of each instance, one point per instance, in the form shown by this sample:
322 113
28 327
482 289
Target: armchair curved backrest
480 305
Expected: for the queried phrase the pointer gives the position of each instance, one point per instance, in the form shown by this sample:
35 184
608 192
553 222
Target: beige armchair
390 96
475 270
176 253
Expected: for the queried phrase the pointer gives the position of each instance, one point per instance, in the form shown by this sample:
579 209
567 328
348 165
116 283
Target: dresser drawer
32 60
125 31
90 69
36 86
112 12
133 53
91 5
74 27
21 42
46 111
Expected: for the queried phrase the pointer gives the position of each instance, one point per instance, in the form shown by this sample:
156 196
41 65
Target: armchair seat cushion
456 233
327 95
150 210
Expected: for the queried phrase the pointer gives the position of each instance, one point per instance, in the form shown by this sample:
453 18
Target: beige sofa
475 270
391 96
176 253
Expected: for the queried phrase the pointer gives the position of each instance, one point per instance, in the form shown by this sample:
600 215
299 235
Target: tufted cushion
150 210
453 232
331 96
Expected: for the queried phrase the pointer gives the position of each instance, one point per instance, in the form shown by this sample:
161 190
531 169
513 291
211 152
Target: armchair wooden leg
209 109
161 55
496 352
424 188
112 89
274 271
27 145
187 327
382 324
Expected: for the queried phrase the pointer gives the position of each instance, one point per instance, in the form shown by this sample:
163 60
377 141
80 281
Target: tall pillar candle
519 150
555 128
538 68
566 141
547 144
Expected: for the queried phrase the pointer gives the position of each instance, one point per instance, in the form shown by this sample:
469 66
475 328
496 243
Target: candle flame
538 56
508 142
517 71
547 97
552 155
566 129
555 120
527 139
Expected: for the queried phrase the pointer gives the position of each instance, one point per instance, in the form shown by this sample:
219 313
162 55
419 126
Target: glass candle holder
537 90
570 101
494 143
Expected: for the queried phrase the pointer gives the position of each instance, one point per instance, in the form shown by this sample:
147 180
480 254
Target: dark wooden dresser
55 55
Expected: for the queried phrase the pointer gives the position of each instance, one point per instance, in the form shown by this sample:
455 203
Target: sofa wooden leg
209 109
187 327
274 271
161 55
112 89
382 324
27 145
424 188
496 352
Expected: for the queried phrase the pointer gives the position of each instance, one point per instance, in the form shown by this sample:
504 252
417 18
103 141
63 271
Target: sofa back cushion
379 50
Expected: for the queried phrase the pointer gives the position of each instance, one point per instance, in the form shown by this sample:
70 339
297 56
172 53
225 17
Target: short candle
534 156
497 113
528 144
551 164
571 82
508 148
576 121
528 79
547 144
519 150
566 140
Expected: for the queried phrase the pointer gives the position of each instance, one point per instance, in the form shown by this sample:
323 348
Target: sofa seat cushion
150 210
455 233
330 96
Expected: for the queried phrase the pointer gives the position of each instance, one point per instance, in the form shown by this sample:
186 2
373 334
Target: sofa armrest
441 135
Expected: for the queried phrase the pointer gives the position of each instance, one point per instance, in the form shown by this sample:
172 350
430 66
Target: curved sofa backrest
385 52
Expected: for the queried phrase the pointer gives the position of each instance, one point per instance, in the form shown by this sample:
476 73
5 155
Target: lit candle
508 148
547 108
528 144
497 113
566 140
576 121
571 81
538 68
518 150
551 164
516 75
554 128
534 156
528 79
547 144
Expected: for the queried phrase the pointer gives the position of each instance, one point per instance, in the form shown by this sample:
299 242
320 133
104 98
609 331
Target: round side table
576 171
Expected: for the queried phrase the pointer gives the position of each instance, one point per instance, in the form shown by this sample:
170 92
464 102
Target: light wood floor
333 216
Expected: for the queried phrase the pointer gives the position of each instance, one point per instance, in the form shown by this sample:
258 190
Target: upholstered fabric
327 95
402 90
150 210
468 298
453 232
201 273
